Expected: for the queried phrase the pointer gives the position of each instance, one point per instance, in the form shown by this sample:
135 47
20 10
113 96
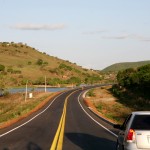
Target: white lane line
31 118
94 119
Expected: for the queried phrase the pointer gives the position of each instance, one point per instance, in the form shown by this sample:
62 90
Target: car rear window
141 122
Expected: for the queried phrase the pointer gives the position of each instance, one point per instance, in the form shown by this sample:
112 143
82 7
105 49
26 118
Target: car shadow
89 142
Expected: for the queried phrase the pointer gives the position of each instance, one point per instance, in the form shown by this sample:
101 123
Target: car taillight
131 136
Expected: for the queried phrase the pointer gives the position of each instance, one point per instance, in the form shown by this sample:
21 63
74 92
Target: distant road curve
64 114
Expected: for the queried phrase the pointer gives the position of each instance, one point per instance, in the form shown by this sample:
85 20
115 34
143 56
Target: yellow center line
58 139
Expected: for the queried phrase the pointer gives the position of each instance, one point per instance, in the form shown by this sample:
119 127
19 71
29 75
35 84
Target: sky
91 33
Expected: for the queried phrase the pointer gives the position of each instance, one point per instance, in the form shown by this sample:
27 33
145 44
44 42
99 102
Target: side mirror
117 126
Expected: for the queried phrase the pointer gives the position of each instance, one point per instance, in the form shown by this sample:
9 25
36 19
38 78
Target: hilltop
125 65
22 62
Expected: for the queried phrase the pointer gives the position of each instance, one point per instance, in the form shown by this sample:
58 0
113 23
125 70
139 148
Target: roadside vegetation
133 88
14 106
130 94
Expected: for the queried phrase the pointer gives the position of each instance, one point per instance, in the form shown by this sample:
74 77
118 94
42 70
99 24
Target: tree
124 77
131 77
2 67
39 62
135 79
54 81
2 84
40 81
74 80
144 76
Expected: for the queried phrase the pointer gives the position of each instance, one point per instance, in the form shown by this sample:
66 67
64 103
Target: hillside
23 63
125 65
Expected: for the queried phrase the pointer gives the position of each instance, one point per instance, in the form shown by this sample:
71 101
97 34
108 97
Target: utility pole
45 84
26 91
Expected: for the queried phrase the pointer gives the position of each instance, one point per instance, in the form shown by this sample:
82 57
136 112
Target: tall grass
126 102
11 108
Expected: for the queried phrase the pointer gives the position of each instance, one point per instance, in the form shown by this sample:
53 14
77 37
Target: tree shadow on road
30 146
88 142
33 146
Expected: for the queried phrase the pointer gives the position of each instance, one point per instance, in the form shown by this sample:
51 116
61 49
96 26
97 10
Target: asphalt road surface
65 123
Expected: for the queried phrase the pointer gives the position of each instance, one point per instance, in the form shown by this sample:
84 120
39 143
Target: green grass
116 112
91 93
113 117
99 107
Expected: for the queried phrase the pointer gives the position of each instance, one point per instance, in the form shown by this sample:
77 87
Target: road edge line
112 133
31 118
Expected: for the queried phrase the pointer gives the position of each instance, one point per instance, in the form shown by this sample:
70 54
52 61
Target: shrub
74 80
54 81
39 62
16 72
45 63
6 93
91 93
10 70
65 67
2 67
29 62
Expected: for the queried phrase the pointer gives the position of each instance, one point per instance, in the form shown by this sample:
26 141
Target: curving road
43 130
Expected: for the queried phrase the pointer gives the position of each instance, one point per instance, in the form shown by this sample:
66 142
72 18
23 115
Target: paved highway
63 124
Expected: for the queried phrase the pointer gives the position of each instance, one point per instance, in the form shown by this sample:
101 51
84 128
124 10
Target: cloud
128 36
120 36
94 32
39 26
105 34
146 40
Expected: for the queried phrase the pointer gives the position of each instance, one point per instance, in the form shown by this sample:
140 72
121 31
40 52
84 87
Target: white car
135 132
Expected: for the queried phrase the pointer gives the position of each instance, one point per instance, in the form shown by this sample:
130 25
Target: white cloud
116 37
123 36
146 40
39 26
105 34
94 32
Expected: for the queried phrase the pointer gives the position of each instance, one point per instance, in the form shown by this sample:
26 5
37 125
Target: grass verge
14 108
116 103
